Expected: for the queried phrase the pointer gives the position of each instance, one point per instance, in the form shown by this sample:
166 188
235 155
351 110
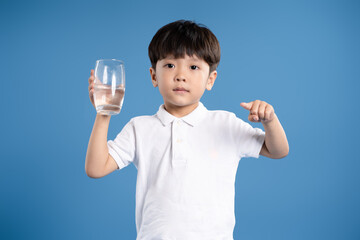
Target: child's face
182 81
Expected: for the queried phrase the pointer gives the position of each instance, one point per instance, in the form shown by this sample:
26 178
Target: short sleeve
122 148
248 139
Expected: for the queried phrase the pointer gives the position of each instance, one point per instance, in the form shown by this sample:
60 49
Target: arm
99 162
276 144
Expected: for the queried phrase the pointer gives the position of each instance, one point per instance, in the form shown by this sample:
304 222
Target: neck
180 111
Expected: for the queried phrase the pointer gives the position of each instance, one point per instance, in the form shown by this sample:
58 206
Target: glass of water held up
109 86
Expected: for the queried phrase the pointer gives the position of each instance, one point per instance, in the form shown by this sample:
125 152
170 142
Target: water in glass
108 100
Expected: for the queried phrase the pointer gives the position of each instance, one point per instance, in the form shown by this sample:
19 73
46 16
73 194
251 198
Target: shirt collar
192 118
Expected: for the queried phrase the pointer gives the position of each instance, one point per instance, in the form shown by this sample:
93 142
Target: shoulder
144 120
222 115
227 120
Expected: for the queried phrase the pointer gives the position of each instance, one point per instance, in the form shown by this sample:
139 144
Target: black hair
185 37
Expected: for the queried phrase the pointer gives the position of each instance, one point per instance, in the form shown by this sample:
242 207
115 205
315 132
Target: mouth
180 89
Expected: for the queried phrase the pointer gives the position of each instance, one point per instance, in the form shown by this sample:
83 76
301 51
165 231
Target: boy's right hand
91 87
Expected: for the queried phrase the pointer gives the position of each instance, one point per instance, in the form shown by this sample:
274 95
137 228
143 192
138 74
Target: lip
180 89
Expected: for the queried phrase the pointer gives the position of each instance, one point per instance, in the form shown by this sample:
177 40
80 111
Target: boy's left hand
260 111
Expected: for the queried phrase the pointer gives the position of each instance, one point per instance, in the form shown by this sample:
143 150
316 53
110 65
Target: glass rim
108 59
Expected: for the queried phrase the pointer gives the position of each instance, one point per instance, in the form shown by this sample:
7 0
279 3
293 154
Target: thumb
245 105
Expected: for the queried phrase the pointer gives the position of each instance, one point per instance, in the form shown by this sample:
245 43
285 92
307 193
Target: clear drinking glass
109 86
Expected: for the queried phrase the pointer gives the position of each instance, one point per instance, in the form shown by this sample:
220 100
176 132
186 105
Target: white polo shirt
186 171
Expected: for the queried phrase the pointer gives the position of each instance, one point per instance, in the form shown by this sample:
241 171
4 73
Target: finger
247 106
91 96
91 79
91 84
269 112
255 110
255 107
262 107
253 118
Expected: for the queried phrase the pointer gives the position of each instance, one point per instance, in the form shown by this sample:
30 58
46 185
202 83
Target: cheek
201 87
163 87
205 81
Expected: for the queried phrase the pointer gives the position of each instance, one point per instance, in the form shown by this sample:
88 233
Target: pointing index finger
247 106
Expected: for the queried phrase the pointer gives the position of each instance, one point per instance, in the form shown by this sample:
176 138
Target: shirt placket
179 145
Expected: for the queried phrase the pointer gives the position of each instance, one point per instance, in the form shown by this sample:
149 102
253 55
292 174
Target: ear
153 77
211 80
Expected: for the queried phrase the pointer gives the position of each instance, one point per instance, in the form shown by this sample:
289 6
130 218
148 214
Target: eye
193 67
169 65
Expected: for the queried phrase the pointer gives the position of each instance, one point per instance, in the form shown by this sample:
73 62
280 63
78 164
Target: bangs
179 43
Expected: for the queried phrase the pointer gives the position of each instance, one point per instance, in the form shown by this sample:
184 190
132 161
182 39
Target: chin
182 104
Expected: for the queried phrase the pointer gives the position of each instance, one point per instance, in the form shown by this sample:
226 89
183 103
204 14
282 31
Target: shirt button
179 140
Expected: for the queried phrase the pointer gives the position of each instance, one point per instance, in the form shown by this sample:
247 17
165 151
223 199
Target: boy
186 156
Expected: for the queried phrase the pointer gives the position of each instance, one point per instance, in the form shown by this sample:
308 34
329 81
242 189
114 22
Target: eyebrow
191 58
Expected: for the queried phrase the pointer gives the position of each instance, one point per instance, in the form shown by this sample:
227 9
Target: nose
180 76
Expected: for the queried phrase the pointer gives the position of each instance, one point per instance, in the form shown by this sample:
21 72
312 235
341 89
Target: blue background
302 57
